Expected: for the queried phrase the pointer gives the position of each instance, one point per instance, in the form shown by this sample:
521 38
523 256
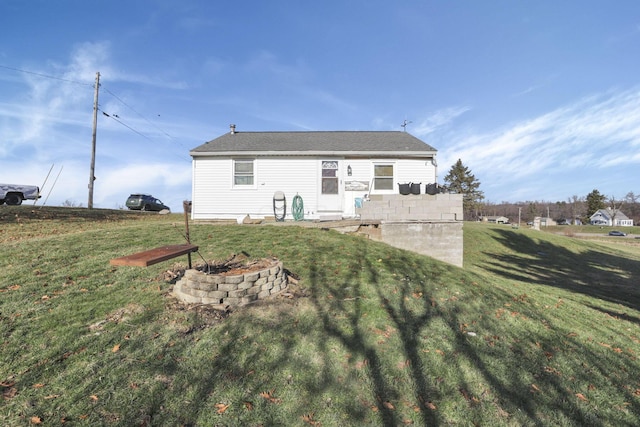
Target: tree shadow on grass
324 360
317 366
594 273
332 358
414 306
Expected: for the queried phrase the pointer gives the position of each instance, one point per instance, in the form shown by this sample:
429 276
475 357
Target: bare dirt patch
117 316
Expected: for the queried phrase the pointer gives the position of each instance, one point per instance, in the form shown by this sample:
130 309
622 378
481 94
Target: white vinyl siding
216 197
416 171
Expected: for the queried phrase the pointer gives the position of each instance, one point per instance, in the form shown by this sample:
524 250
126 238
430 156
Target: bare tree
71 204
632 206
614 207
576 206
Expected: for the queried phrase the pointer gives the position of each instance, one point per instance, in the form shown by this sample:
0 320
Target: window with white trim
243 173
383 177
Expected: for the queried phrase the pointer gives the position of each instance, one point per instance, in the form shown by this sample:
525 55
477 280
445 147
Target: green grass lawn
536 329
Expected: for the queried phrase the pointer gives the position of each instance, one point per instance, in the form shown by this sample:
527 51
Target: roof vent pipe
233 129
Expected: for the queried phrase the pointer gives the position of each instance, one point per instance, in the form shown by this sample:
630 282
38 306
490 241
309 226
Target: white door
330 198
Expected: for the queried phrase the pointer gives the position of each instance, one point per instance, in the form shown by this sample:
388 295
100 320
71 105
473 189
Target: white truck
12 194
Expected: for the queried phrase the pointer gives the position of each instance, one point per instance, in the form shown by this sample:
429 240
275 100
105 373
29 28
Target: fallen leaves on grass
551 370
472 400
116 348
404 364
616 349
362 364
71 353
221 408
389 406
268 395
9 393
118 316
35 420
308 418
581 397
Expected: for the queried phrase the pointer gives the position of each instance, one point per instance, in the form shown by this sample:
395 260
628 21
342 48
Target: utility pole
92 176
519 215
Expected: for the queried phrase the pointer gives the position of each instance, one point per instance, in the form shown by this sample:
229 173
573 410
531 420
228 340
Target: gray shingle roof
608 213
321 142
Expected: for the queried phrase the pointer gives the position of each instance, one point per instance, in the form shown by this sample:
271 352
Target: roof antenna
404 124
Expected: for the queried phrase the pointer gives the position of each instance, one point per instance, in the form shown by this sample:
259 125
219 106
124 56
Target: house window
243 174
330 177
383 177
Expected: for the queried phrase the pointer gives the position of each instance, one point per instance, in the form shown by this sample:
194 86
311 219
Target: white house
496 219
611 218
240 173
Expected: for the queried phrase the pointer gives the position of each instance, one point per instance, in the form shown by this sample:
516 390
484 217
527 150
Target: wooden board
154 256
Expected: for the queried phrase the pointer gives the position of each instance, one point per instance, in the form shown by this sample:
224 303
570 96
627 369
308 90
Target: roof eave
424 154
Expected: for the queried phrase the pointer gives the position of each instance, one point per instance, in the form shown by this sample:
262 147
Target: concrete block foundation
427 224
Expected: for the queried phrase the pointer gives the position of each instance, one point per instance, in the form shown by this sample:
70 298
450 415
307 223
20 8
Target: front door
330 199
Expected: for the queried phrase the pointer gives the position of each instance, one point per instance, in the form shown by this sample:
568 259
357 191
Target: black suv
145 202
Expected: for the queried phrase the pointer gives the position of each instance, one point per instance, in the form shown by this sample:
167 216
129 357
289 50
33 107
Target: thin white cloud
527 91
48 122
267 62
595 132
120 180
438 120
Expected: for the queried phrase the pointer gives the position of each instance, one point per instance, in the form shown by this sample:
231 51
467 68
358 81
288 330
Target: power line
132 129
117 119
143 117
112 116
47 76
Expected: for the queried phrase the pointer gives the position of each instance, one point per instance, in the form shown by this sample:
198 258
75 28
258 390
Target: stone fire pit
231 284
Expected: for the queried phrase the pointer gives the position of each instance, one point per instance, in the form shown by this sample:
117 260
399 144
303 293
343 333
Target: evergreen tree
595 202
462 181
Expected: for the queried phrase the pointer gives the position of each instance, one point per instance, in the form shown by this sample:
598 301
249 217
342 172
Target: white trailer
13 194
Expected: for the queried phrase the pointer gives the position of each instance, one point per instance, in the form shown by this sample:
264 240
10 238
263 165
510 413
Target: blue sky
541 100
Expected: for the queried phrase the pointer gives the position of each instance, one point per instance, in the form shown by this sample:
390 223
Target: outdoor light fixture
349 170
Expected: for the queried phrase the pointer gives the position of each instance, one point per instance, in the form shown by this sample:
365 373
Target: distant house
610 217
569 221
240 173
496 219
